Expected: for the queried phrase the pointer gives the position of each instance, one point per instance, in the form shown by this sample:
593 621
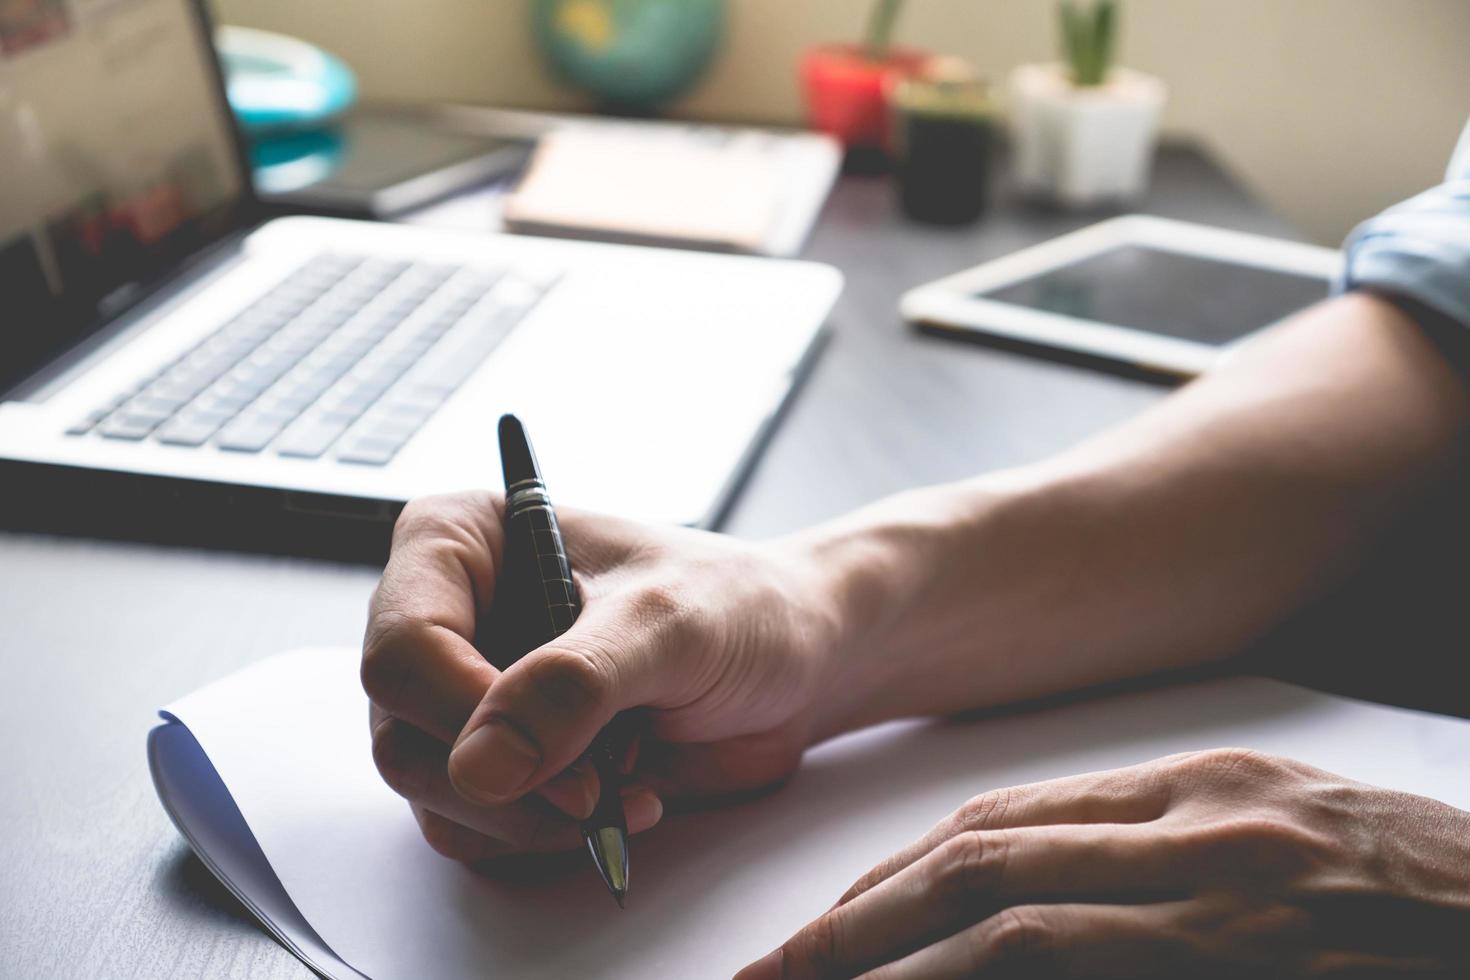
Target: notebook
268 775
739 190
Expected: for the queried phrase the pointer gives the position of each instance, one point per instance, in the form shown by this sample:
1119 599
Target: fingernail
573 791
494 761
768 967
642 807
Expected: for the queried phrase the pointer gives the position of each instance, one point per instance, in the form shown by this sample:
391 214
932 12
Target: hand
721 646
1212 864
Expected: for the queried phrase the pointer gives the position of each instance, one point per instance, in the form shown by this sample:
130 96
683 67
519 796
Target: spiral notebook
268 775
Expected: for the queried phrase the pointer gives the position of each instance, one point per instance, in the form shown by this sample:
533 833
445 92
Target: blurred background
1330 109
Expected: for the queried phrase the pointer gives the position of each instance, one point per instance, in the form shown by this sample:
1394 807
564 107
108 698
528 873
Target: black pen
535 602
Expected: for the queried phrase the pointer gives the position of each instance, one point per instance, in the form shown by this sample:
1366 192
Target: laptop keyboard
346 357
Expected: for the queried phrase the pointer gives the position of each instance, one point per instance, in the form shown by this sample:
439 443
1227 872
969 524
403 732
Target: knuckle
1221 770
661 609
984 811
1253 831
422 517
395 763
659 600
1284 924
448 524
873 877
388 654
1231 757
1015 936
966 865
445 837
385 750
819 946
433 516
1135 783
867 881
1236 764
1258 844
568 679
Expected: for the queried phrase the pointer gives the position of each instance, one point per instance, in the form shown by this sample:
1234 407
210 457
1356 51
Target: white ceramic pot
1082 146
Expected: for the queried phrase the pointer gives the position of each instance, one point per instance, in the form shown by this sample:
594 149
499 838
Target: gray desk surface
94 636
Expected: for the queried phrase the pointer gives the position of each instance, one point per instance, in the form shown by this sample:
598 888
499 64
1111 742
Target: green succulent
1088 35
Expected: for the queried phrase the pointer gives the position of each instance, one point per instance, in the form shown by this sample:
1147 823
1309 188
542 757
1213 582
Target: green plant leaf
1073 43
881 21
1088 35
1106 33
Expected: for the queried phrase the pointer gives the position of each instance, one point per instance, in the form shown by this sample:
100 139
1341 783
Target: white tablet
1166 296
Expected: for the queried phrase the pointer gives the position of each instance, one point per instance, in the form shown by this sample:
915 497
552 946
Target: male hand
1212 864
717 646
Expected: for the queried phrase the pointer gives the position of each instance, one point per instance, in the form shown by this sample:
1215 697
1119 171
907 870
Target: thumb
542 713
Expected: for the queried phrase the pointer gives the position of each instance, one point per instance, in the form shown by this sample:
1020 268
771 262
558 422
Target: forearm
1168 541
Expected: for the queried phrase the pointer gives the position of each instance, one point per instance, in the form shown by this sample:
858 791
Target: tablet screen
1186 296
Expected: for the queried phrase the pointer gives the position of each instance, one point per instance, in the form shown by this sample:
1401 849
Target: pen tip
622 899
609 847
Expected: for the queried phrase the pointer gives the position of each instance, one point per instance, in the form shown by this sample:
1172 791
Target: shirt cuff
1418 250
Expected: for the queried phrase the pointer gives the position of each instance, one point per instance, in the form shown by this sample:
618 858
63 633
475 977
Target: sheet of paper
710 891
203 810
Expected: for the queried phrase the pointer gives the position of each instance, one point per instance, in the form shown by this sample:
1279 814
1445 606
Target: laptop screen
118 159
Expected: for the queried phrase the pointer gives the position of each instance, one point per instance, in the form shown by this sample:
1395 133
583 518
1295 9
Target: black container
946 139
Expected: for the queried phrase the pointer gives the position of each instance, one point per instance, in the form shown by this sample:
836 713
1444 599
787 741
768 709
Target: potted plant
1084 130
846 85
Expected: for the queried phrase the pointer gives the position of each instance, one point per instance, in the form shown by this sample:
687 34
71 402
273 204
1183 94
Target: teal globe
633 54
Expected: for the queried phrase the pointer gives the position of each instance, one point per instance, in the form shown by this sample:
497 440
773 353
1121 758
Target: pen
535 602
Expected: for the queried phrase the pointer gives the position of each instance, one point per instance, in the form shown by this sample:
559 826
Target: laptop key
309 440
356 400
397 429
161 405
187 431
250 437
89 422
173 390
135 414
369 451
273 415
127 427
223 400
189 422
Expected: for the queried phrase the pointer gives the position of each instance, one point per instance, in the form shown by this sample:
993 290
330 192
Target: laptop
164 355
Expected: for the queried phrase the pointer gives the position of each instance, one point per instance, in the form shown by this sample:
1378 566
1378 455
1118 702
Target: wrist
876 572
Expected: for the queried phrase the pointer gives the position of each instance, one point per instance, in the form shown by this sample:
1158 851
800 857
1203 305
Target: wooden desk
95 881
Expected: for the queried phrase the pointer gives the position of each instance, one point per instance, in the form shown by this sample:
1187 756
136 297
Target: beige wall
1330 108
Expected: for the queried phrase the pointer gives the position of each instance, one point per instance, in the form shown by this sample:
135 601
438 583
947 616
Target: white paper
711 891
202 808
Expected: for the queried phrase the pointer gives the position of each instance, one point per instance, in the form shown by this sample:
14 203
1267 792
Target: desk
95 882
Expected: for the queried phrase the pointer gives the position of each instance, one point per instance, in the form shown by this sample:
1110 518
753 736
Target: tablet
1162 295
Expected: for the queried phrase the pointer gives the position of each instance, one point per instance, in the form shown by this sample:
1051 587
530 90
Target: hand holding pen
725 649
536 601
